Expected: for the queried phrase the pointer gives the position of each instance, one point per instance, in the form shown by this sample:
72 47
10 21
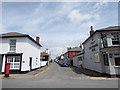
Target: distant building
102 50
78 59
44 57
20 50
65 60
71 52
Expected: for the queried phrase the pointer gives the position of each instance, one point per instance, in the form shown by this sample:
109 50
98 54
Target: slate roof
81 53
16 34
10 34
112 28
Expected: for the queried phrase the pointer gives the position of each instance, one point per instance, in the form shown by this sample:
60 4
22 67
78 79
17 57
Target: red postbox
7 69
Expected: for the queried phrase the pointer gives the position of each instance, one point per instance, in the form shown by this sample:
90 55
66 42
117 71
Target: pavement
31 74
92 74
60 77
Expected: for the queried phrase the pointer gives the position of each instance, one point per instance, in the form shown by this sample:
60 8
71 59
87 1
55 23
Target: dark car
63 64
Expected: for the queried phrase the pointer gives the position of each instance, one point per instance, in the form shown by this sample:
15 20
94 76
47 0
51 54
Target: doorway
30 63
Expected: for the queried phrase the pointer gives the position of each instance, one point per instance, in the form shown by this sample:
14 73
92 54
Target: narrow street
59 77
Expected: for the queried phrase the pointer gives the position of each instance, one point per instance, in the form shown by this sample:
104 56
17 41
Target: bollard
7 69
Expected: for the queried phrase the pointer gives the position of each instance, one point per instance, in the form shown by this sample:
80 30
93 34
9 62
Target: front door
30 63
14 62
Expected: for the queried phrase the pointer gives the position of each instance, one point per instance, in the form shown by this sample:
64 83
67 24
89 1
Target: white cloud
40 7
98 6
77 17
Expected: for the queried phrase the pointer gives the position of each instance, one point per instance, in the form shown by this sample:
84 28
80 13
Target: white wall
43 63
27 47
76 61
89 56
33 50
3 64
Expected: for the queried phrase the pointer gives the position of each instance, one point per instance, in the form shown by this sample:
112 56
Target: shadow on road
88 72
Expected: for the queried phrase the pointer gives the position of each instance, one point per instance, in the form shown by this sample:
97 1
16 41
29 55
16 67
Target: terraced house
102 50
20 50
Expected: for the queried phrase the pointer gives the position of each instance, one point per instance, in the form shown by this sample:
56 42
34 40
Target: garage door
14 62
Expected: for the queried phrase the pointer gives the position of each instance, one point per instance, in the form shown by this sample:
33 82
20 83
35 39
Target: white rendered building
21 50
102 50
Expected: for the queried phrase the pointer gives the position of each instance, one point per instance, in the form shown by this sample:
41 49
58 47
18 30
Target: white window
104 40
97 59
115 38
13 45
14 62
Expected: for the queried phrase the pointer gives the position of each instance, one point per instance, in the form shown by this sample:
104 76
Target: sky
58 24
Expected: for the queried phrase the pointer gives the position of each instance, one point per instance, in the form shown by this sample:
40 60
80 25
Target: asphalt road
59 77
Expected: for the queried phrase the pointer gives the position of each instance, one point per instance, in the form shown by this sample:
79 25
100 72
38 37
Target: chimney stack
80 45
68 48
91 31
37 39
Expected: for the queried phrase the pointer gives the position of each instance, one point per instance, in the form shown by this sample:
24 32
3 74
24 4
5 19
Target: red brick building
72 52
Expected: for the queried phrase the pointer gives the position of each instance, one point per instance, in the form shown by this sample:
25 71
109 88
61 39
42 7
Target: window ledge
117 66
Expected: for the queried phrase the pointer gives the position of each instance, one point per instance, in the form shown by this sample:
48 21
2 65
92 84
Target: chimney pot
37 39
91 28
91 31
68 48
80 45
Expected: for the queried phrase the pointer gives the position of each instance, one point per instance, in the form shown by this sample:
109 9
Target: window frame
104 40
12 48
106 63
116 61
115 37
116 55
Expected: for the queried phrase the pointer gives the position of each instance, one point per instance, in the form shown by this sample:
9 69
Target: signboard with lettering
93 46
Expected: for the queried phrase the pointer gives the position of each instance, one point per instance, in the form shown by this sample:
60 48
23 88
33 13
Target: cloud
99 6
76 17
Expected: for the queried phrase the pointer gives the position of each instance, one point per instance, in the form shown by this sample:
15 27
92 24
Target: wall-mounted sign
93 46
92 42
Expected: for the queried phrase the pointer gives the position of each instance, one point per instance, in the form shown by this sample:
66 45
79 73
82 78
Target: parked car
63 64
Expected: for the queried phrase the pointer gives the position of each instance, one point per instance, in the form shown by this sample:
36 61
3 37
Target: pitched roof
112 28
81 53
16 34
10 34
75 49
